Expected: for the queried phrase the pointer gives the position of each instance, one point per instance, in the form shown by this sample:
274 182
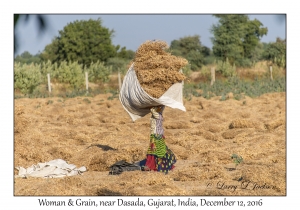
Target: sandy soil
97 132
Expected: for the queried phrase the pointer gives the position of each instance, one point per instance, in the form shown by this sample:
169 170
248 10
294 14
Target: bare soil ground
97 132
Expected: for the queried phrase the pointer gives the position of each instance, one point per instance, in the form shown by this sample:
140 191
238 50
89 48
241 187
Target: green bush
276 52
27 58
49 68
118 64
26 77
186 70
32 79
71 73
280 61
205 71
98 72
226 69
209 60
245 62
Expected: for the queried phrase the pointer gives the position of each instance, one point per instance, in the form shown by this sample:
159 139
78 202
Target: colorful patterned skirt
159 156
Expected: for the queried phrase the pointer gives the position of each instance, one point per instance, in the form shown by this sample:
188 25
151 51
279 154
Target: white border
155 6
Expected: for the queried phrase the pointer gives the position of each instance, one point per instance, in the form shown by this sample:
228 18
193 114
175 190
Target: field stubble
98 132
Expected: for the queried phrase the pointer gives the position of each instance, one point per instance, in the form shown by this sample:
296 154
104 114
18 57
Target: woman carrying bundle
154 80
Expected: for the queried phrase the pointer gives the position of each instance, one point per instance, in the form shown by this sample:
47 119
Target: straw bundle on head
156 69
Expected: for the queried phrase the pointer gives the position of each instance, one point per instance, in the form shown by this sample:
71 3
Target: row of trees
236 39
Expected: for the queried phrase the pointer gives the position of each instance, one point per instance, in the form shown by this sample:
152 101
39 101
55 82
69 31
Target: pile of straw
156 69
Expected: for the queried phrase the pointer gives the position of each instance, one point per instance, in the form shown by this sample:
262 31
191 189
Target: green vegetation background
86 46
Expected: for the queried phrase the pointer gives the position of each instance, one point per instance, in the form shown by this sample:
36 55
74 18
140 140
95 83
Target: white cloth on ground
137 102
53 169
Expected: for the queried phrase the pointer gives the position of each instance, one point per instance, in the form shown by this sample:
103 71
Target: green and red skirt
159 156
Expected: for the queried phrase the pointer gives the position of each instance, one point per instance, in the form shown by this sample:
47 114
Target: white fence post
49 83
271 72
86 81
213 76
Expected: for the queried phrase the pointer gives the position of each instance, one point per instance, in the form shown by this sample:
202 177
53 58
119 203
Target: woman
159 156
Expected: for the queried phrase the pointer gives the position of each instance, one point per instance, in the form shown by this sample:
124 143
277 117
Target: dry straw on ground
156 69
98 134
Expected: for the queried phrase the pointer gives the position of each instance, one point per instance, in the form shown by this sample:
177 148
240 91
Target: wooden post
86 81
120 82
49 83
213 76
271 72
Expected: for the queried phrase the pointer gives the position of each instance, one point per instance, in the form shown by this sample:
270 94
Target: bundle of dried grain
156 69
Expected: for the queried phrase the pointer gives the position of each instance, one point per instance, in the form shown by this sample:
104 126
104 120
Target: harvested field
97 132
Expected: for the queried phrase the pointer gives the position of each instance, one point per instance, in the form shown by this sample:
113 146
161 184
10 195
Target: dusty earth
97 132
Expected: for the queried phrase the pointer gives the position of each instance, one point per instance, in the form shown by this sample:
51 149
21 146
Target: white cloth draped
137 102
